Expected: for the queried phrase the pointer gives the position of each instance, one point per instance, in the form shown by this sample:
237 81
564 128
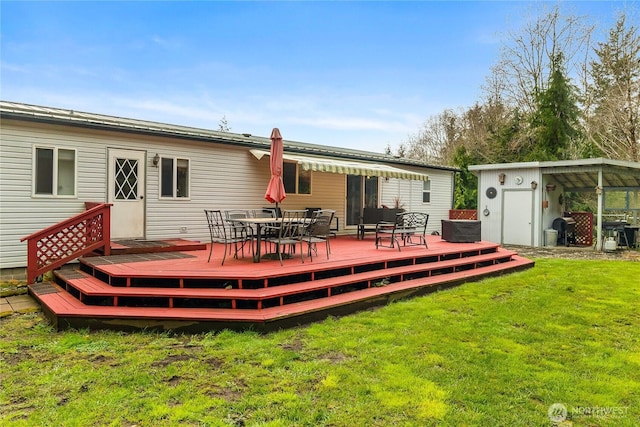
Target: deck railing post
32 260
106 230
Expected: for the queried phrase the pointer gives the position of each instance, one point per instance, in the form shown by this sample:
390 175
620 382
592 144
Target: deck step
86 286
117 270
70 312
187 292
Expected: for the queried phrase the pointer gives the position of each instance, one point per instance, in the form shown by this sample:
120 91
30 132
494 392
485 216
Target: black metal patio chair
223 232
264 213
234 217
318 231
285 233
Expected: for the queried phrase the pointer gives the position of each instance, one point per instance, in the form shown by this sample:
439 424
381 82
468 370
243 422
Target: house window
426 192
54 172
296 181
174 178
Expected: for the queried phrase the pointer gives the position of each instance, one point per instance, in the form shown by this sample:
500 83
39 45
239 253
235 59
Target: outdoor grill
566 227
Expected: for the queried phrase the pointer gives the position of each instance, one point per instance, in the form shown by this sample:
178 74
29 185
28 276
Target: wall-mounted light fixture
550 187
534 185
156 160
598 189
501 178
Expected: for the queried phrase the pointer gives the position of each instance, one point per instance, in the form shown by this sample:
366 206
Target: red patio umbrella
275 190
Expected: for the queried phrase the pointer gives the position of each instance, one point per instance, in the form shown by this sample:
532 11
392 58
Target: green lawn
498 352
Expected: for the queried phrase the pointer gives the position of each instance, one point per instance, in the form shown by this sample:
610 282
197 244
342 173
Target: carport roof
579 175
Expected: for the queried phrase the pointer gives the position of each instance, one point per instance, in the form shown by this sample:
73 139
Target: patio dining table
259 222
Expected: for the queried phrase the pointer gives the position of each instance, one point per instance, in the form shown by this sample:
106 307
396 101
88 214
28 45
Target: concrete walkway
17 304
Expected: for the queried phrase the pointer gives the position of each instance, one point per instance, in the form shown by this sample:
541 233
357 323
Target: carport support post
600 193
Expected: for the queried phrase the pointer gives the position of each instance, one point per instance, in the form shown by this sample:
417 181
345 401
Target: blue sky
360 75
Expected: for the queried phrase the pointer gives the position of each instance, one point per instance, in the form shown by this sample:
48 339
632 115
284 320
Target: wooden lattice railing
463 214
63 242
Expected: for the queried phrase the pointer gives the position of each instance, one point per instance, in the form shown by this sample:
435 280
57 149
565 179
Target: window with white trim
54 172
426 191
296 180
174 178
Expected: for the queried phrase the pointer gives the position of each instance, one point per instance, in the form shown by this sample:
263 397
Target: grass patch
497 352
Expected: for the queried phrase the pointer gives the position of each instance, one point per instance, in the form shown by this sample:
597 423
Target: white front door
126 193
517 217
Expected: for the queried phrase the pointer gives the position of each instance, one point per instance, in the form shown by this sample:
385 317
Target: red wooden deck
182 291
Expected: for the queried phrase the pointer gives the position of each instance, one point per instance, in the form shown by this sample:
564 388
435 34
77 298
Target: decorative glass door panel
126 179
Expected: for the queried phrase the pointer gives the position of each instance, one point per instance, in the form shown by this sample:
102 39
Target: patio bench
372 216
409 228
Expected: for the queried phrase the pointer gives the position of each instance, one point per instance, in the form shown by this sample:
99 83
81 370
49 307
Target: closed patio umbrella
275 190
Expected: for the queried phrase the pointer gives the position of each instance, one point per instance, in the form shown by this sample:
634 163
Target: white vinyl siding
411 195
22 213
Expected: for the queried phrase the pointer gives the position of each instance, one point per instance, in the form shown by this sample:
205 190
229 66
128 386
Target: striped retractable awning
346 167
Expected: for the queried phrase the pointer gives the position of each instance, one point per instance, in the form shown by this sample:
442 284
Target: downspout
453 190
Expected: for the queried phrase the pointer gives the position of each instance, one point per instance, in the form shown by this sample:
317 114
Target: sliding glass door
362 192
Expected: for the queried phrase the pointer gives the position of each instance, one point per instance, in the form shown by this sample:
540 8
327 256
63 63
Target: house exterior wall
410 194
20 213
221 177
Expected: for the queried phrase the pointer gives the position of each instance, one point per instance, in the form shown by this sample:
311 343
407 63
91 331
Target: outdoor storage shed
518 202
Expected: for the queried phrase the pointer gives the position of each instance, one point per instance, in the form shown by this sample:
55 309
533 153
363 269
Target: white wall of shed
492 224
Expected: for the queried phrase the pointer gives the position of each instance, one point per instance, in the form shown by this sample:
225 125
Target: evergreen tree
613 119
466 192
555 123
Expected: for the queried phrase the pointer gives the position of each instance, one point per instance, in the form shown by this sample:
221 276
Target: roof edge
61 116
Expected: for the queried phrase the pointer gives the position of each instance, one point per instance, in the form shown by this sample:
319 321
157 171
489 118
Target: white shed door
517 218
126 193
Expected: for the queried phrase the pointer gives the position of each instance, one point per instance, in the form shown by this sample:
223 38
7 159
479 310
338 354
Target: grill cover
564 224
566 227
461 231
